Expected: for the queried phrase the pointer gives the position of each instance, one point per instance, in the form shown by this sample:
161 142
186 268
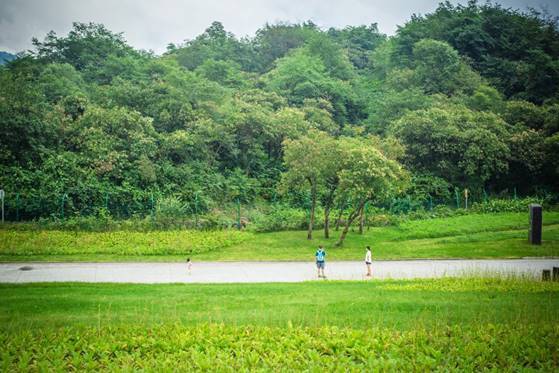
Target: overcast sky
152 24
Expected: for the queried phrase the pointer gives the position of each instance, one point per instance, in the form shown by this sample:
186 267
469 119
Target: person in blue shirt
320 261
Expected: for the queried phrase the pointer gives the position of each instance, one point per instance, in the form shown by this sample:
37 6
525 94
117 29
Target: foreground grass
399 304
445 324
470 236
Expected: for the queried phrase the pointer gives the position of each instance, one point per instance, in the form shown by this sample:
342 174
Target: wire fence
25 207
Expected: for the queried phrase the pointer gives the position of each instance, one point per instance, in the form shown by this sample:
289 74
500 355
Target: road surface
235 272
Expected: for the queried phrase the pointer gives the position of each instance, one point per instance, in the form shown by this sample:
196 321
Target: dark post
555 274
17 206
196 208
62 200
238 213
535 231
546 275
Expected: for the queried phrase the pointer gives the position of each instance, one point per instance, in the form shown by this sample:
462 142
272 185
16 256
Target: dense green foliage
447 324
230 348
493 235
468 94
123 243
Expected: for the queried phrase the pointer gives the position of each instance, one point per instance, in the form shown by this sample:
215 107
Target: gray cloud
149 24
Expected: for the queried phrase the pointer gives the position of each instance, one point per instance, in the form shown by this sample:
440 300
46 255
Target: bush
184 242
507 205
281 217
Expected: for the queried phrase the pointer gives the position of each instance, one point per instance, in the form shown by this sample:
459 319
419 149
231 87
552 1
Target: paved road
228 272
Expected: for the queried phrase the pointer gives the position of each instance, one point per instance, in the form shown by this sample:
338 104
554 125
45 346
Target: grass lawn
501 235
463 324
401 304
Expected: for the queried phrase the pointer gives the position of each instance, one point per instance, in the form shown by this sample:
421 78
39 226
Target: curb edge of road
279 261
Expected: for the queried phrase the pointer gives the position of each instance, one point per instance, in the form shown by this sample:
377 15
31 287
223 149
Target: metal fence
23 207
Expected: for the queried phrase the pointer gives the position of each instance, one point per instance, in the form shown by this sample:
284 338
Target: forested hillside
465 97
6 57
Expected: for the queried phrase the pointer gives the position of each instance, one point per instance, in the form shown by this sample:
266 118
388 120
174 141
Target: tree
309 161
216 44
465 147
359 41
302 75
275 41
516 51
87 44
370 172
439 68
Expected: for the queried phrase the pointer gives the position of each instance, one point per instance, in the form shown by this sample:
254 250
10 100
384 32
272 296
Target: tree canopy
469 93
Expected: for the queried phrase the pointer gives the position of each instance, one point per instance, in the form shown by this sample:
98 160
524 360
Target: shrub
214 347
281 217
127 243
506 205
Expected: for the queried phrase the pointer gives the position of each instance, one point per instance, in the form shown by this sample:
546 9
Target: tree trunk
350 220
327 208
313 206
339 219
327 222
361 219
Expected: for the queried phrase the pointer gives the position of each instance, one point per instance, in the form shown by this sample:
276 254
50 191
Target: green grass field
456 324
502 235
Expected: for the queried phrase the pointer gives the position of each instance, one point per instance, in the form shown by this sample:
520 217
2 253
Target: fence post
238 214
196 208
366 214
430 203
107 202
17 206
2 198
466 198
514 193
457 195
63 199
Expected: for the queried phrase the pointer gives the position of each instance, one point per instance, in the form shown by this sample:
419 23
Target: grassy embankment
463 324
502 235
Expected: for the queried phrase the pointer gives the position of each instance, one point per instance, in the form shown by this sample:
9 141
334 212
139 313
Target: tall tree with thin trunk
308 161
370 172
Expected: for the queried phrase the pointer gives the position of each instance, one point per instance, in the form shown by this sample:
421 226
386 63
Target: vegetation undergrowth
490 235
228 348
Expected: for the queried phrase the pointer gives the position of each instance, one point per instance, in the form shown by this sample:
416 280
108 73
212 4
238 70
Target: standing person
189 265
368 261
320 260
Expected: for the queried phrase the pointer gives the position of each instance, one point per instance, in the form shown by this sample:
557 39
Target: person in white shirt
368 261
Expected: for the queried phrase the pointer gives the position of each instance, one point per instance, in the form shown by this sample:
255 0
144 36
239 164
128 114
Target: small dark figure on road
189 265
368 261
320 261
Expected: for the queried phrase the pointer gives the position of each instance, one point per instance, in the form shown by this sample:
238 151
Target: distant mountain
6 57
